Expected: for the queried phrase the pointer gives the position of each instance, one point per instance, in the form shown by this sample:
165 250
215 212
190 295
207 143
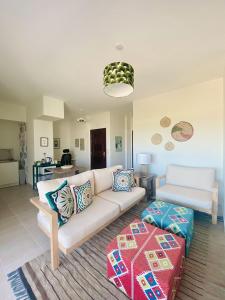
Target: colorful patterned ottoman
172 218
146 262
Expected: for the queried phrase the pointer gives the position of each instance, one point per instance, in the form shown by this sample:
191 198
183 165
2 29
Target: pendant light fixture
118 78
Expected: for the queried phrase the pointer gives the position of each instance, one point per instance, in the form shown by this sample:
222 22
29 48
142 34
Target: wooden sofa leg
54 244
214 218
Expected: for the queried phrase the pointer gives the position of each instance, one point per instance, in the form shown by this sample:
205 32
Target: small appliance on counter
42 170
66 158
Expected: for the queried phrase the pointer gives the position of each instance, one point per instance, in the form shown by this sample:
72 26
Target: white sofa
106 207
191 187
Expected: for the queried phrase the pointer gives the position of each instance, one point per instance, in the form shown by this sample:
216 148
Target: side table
148 182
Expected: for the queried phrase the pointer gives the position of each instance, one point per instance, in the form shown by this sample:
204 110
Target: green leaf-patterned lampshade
118 79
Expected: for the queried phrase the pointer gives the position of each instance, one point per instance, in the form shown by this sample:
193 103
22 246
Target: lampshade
144 158
118 79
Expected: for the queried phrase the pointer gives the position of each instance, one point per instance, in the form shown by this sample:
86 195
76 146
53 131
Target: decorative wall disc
165 122
182 131
156 139
169 146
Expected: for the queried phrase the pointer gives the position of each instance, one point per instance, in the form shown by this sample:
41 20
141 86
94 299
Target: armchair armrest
43 207
215 202
158 179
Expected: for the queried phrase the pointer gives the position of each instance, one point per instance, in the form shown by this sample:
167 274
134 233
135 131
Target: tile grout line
28 232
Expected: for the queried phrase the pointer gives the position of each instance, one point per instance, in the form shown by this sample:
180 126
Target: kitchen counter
7 161
9 173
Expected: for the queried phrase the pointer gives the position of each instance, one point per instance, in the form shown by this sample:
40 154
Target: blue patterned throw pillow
122 181
131 171
82 196
61 201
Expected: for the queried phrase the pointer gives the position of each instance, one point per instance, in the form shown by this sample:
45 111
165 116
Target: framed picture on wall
82 144
77 143
118 143
43 141
56 143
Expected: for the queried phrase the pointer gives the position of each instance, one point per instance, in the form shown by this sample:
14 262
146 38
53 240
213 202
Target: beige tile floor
20 238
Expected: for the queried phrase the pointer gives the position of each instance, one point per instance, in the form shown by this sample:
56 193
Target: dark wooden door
98 148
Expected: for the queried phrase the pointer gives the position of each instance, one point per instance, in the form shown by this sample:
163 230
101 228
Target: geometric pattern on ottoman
167 241
117 262
181 210
158 260
117 282
178 219
126 241
150 286
151 270
173 218
138 228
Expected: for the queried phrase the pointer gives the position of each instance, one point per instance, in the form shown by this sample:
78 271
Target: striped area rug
82 274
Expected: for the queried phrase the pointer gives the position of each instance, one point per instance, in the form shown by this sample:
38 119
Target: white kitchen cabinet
9 173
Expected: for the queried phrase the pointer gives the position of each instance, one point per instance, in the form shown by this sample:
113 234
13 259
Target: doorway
98 148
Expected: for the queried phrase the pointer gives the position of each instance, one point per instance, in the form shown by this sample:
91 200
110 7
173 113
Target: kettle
48 159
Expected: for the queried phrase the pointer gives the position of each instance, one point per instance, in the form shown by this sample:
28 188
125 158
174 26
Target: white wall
117 123
94 121
53 108
34 110
121 125
202 106
43 129
224 145
117 128
12 112
9 137
37 128
62 130
128 139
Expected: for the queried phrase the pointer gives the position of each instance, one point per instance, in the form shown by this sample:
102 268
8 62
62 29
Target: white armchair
191 187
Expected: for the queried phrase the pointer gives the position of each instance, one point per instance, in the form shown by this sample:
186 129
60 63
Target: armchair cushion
185 196
192 177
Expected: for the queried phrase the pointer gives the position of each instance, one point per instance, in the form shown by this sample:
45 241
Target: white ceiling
60 47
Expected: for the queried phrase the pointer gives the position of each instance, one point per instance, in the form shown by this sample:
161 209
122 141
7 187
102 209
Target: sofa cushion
122 181
61 201
83 224
124 200
103 178
194 198
51 185
199 178
82 195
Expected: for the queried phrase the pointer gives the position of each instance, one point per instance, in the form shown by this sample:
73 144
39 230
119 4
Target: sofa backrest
103 178
194 177
51 185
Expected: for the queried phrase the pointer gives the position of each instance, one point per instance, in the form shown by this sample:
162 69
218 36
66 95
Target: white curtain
23 148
